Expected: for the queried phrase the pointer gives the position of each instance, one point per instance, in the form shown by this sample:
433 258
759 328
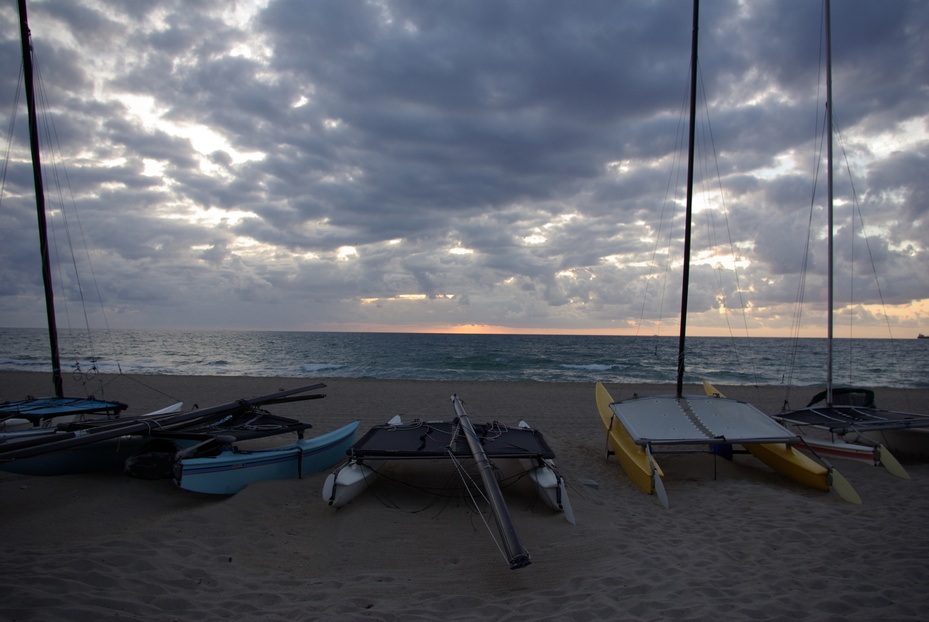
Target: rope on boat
469 482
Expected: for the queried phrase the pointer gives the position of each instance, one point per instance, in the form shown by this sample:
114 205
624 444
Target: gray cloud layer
423 164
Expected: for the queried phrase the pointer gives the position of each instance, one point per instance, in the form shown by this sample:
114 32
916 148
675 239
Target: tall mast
829 190
40 198
690 197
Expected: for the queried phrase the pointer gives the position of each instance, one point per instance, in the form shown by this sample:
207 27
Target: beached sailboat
38 412
186 440
80 459
456 440
637 427
856 429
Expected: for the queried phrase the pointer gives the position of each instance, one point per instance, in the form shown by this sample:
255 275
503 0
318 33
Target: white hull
862 448
841 449
349 481
550 485
547 482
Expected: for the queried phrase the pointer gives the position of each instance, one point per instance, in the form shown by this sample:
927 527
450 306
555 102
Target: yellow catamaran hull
633 458
789 462
785 459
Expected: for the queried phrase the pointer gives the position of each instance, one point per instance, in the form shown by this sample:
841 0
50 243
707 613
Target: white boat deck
696 419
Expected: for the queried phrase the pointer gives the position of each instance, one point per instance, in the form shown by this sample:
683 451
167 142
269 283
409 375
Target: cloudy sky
468 165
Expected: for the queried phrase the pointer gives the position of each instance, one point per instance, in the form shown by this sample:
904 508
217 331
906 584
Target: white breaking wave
317 367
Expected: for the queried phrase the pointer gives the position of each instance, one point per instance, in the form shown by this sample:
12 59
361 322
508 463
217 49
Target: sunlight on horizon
695 329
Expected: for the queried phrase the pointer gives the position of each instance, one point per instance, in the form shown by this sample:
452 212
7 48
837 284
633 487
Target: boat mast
690 195
40 199
829 191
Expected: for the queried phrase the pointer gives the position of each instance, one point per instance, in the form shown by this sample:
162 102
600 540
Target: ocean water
539 358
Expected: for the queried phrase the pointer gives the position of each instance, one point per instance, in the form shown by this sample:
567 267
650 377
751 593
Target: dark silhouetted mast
40 198
690 199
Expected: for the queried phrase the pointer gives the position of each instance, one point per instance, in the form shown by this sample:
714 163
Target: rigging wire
9 133
794 349
470 485
55 164
665 221
708 149
857 230
711 237
662 220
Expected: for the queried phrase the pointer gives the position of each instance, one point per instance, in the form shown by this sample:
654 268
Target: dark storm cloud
300 164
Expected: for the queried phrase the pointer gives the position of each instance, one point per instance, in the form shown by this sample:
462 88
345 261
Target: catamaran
198 448
637 427
855 428
456 440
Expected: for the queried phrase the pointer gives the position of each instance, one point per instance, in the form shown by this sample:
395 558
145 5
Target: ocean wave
16 363
317 367
591 367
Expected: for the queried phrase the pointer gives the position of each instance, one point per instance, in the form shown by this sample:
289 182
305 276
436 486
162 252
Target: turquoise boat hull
232 469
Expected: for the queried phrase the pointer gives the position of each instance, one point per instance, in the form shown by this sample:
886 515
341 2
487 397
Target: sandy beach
739 541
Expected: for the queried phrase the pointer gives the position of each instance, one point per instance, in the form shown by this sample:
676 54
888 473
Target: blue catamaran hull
230 470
